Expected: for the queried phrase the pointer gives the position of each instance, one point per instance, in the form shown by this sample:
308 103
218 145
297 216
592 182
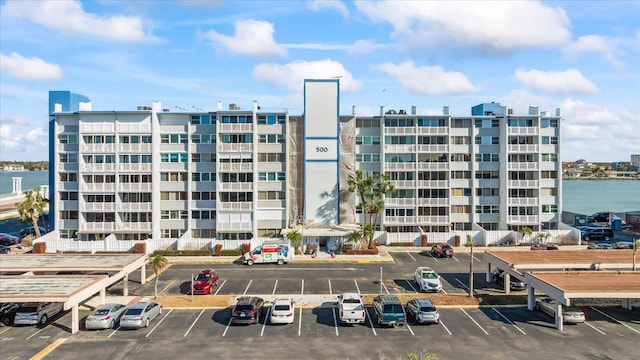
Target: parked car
205 281
351 309
600 246
544 247
570 314
389 311
32 231
426 279
5 249
282 311
514 284
442 250
36 313
104 316
592 233
8 239
602 216
623 245
423 311
140 314
8 312
247 310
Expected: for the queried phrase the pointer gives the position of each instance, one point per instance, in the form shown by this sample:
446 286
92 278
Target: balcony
135 167
235 128
240 226
134 226
103 227
433 184
235 147
522 130
433 220
99 168
522 201
533 166
399 201
110 207
235 167
399 166
432 130
235 206
404 148
134 148
134 207
400 220
523 219
134 187
526 184
438 149
432 165
236 186
94 148
528 148
98 187
404 184
432 201
399 130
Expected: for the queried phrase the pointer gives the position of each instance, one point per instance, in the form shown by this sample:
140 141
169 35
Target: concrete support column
143 274
507 282
488 274
531 298
103 296
559 323
626 304
75 319
125 285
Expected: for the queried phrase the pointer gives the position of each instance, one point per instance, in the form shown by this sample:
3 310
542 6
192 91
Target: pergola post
103 295
143 274
559 323
125 285
531 297
507 282
488 274
75 321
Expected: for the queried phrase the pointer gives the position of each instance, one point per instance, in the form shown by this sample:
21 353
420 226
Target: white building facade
238 174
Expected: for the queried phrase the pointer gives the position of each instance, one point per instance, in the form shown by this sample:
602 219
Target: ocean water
590 196
30 180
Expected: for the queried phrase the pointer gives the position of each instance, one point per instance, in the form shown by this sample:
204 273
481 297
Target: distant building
237 174
635 160
13 167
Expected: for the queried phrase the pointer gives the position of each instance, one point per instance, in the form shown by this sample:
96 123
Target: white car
426 279
570 314
282 311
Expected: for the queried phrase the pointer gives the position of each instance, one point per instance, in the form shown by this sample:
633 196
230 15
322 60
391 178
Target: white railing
247 226
399 130
433 183
523 201
98 207
400 166
134 187
236 147
104 167
522 130
442 148
525 148
102 187
230 206
135 148
235 128
87 148
135 167
428 130
404 183
235 167
400 148
522 166
433 201
229 186
528 184
432 165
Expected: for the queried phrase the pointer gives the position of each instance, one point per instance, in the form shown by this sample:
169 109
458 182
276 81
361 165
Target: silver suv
36 313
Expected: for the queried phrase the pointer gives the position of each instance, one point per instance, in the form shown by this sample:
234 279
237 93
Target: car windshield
351 301
101 312
134 312
203 277
429 275
427 308
244 307
27 309
281 307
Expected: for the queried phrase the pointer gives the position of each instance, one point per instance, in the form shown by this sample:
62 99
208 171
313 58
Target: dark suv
598 217
591 233
8 312
247 310
389 310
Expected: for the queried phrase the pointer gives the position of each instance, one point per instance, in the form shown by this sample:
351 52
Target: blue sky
580 56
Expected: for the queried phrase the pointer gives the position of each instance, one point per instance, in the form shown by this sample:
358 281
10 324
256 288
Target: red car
205 282
442 250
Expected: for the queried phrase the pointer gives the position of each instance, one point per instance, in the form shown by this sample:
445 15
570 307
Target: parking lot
487 332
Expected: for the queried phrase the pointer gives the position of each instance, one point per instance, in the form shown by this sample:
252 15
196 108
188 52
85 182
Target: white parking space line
465 286
302 288
114 331
455 258
227 328
220 287
370 322
510 322
194 322
357 288
616 320
410 329
300 322
411 256
247 288
433 257
385 288
474 257
444 291
445 327
414 289
166 287
159 322
266 319
330 292
335 322
475 322
35 333
4 330
274 287
594 328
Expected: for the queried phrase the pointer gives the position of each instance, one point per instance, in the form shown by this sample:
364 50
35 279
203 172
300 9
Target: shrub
27 241
217 250
230 252
182 252
402 243
246 247
373 251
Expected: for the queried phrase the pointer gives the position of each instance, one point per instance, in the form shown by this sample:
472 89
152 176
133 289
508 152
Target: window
271 157
550 208
546 123
460 192
68 138
461 123
461 157
461 140
273 176
520 122
487 123
432 122
271 195
487 192
487 209
69 158
460 209
174 157
174 214
367 140
368 157
487 140
487 174
549 157
487 157
461 174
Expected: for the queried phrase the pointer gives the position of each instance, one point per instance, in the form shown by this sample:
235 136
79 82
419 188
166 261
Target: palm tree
355 237
367 234
371 190
158 263
542 237
31 208
295 237
526 232
636 246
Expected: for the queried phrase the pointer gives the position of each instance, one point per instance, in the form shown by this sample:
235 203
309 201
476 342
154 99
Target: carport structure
69 289
564 275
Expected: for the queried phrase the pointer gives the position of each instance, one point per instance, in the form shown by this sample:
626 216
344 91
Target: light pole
380 280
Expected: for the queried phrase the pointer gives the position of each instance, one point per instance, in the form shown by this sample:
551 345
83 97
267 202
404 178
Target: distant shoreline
601 179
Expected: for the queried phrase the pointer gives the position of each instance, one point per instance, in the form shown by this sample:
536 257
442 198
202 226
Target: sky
580 56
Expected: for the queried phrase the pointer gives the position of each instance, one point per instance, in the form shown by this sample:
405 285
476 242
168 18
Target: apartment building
235 174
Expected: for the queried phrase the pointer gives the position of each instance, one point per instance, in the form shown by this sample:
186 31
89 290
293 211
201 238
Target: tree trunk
156 286
35 227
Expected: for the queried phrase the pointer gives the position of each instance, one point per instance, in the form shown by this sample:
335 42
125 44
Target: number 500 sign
321 149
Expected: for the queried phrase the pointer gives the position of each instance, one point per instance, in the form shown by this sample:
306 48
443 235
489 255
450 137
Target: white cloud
605 46
559 82
338 6
33 68
427 80
364 47
70 17
16 119
292 75
498 26
252 37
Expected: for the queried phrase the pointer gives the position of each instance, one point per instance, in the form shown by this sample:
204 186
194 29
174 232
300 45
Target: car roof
207 271
424 302
140 305
425 269
282 301
350 295
388 298
107 306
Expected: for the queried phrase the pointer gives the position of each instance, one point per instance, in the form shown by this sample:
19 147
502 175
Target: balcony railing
523 201
235 167
522 166
95 187
399 130
527 184
523 219
433 201
527 148
433 220
134 206
236 147
235 128
98 207
235 206
245 226
233 186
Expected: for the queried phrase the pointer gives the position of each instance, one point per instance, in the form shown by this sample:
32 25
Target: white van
279 252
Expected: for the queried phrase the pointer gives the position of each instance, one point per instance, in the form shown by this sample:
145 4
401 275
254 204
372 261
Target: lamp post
380 280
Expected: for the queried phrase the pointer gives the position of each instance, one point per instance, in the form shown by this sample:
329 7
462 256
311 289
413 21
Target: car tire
537 306
280 261
211 290
250 262
160 312
607 238
146 323
5 320
43 319
586 237
111 324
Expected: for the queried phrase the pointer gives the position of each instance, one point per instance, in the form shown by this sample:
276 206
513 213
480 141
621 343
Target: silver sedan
104 316
140 314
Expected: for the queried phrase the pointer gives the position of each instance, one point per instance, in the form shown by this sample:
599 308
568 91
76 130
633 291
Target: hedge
373 251
182 252
231 252
402 243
